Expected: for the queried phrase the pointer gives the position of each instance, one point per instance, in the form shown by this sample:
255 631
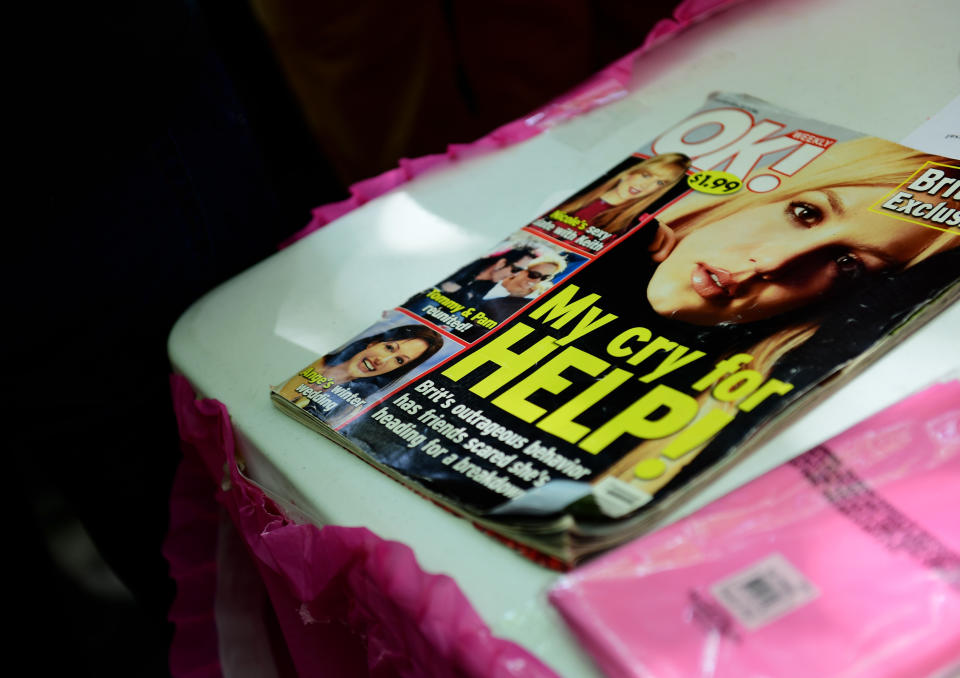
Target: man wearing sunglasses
523 284
476 278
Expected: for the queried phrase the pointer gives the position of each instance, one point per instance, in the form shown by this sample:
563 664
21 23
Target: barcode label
617 498
764 591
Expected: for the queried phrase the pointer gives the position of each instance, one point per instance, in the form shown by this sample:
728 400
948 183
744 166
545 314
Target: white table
878 66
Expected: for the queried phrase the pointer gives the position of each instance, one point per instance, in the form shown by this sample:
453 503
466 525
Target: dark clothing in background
164 168
378 81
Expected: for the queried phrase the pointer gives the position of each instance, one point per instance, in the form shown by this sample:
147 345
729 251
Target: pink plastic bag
347 603
842 562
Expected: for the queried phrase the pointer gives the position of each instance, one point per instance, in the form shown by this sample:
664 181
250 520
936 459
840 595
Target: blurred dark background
171 145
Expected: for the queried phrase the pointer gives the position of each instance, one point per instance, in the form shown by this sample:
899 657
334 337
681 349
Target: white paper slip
940 134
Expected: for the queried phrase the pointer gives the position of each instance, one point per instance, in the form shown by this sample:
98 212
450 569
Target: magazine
849 564
578 379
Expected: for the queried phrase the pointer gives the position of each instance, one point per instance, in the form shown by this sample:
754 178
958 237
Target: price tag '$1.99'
715 182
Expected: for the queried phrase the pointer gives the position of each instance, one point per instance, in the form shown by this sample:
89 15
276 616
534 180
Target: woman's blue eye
805 213
849 266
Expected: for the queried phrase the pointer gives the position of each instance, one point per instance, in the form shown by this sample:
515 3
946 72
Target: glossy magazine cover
625 344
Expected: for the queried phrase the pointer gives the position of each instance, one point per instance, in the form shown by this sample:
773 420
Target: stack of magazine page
574 382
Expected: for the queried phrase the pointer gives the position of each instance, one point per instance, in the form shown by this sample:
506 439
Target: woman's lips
367 365
711 283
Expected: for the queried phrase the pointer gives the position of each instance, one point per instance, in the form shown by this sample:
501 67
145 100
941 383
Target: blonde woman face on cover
384 356
643 182
780 256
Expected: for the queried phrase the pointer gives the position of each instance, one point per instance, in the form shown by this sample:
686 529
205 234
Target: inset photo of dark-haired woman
386 355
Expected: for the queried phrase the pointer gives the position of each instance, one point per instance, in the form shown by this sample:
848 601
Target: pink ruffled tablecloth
346 602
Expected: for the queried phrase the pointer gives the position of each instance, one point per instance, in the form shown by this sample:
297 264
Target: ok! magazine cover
577 379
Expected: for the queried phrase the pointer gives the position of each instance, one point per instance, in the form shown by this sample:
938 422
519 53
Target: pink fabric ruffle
607 85
190 549
348 603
